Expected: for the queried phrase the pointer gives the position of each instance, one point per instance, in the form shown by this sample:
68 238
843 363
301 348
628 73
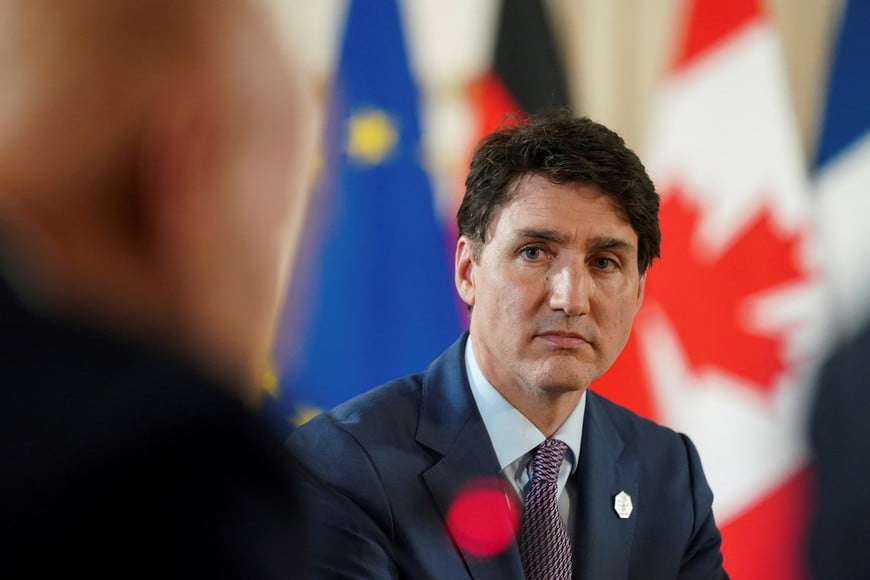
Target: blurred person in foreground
840 439
152 158
558 228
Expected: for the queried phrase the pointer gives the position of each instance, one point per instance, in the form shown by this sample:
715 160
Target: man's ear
173 178
641 288
464 270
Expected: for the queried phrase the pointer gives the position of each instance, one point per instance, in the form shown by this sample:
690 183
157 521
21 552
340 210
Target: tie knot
548 460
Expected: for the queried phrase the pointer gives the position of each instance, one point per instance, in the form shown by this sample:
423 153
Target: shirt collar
511 433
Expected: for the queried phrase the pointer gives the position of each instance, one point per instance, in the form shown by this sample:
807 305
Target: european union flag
372 297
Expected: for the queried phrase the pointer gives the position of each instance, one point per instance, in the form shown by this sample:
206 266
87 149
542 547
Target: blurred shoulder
370 429
640 433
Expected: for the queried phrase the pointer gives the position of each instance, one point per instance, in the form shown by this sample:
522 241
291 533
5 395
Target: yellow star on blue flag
371 136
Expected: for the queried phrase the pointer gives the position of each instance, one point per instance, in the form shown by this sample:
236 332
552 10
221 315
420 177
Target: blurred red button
484 518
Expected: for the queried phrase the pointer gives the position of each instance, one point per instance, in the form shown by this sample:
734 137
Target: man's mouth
564 339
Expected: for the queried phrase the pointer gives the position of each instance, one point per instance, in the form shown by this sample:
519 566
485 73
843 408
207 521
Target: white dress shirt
514 437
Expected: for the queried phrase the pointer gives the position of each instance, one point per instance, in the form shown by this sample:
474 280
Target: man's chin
562 388
563 383
560 377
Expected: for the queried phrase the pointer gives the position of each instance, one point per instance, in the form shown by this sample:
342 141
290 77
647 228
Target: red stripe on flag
710 21
493 105
767 540
492 102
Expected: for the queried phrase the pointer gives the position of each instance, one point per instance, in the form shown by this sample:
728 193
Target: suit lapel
602 540
451 425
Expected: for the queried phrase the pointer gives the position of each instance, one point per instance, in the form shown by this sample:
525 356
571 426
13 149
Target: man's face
555 290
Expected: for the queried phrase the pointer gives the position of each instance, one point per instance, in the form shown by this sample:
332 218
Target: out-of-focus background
613 54
752 117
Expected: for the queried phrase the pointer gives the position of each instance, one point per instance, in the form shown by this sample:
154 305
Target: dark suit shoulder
346 453
666 457
76 387
104 440
354 433
386 414
380 400
637 429
670 469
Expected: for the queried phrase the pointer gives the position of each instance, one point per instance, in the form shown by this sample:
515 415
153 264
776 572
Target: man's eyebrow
598 243
538 234
610 243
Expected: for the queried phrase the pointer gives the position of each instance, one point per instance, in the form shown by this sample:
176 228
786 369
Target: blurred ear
183 218
464 270
174 169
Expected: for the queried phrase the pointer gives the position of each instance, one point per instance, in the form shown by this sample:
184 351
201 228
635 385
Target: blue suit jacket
391 461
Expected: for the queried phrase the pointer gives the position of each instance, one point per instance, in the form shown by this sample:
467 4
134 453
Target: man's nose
571 287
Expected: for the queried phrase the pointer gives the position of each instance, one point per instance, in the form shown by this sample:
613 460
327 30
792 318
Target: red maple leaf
706 297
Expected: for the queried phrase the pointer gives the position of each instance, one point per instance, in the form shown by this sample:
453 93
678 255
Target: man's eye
604 263
532 253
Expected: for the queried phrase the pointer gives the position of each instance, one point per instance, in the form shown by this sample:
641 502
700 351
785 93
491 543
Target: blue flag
842 172
373 295
847 108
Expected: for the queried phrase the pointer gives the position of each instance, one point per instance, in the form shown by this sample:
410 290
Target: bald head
79 76
152 155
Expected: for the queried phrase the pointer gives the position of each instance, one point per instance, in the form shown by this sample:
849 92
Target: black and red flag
526 73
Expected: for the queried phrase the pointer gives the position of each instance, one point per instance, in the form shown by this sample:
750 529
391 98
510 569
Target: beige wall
615 50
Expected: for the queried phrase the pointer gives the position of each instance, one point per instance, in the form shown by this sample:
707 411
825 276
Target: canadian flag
725 346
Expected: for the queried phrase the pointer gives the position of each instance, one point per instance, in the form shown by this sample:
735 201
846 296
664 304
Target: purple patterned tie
544 545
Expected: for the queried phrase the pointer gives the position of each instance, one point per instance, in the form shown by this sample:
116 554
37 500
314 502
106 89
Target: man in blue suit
558 227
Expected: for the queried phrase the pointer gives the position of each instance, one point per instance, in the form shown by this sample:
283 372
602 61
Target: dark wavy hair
564 149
